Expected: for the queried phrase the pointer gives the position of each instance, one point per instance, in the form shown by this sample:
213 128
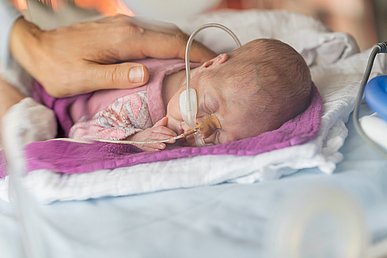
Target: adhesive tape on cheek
188 117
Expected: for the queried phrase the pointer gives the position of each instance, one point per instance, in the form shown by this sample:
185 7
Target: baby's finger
164 130
148 149
163 137
153 146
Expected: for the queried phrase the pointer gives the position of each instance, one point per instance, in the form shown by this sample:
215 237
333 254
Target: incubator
329 225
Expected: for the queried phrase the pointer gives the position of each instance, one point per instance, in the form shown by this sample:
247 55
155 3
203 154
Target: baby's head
251 90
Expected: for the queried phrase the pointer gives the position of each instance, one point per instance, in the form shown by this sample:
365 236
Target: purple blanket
72 158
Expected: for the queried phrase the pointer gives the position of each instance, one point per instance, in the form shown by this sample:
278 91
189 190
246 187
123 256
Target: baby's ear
220 59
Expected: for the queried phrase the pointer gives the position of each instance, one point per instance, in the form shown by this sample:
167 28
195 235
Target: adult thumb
120 76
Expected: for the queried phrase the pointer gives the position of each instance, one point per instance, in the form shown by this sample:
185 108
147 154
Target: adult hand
93 55
9 96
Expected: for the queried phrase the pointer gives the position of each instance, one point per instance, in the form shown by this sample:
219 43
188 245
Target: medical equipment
373 128
223 220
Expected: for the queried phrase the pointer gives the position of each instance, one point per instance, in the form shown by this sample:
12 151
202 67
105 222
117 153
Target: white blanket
336 71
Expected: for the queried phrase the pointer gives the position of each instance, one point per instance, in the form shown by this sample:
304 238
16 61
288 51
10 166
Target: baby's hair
275 77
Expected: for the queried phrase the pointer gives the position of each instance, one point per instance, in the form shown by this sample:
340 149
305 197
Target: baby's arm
94 129
114 123
159 131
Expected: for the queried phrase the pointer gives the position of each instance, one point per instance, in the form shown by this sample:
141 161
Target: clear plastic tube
180 136
191 114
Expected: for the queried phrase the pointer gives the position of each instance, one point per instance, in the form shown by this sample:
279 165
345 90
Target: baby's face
226 107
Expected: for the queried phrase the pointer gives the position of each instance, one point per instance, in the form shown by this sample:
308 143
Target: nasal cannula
188 105
188 101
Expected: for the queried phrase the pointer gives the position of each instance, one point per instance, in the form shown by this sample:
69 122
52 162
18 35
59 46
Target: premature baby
251 90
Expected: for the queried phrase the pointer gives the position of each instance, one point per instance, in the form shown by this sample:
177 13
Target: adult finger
198 53
172 45
117 76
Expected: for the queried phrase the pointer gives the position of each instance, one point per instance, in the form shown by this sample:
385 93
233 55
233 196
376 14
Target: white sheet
336 76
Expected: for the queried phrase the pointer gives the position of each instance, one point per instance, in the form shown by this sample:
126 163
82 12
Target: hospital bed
230 219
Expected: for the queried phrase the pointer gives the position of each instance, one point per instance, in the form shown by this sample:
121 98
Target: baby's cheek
173 109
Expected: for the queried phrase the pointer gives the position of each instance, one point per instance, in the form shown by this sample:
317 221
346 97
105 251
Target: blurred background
363 19
366 20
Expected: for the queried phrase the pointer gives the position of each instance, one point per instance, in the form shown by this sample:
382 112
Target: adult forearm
8 97
24 44
8 15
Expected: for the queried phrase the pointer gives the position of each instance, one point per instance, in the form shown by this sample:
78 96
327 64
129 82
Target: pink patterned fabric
124 117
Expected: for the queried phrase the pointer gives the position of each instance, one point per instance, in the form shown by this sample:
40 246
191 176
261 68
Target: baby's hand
159 131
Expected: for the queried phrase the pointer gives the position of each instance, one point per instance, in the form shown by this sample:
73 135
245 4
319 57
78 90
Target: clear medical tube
187 63
180 136
190 118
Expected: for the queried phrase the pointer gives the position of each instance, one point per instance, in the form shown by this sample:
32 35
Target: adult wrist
8 16
24 44
8 97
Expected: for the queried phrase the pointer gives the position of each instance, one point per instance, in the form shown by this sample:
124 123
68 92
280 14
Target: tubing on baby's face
188 103
204 128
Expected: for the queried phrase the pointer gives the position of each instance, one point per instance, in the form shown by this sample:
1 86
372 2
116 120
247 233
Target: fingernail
136 74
